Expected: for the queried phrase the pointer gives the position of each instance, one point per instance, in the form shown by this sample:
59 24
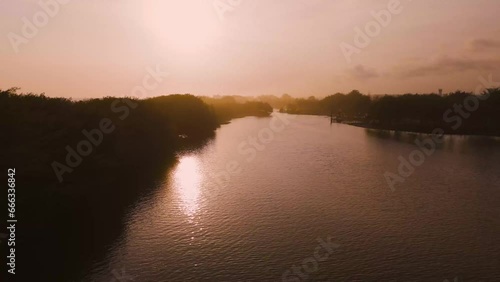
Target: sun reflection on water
187 179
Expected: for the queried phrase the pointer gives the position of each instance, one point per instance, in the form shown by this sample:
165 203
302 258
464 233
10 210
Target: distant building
440 92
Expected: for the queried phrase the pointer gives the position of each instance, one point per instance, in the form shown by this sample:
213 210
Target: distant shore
423 130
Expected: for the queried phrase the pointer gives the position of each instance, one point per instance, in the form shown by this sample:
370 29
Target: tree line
457 112
37 129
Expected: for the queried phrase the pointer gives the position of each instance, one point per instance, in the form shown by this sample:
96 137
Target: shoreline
423 131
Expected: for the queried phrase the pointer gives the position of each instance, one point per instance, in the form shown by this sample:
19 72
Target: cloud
360 72
446 65
482 44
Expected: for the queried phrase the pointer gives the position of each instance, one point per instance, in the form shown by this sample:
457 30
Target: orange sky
96 48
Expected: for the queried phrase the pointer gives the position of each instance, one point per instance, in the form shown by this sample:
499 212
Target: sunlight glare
187 177
180 26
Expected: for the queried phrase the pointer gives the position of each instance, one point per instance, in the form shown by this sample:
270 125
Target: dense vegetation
38 129
458 112
229 107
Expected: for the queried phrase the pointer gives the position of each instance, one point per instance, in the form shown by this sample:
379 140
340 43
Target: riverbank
427 130
81 164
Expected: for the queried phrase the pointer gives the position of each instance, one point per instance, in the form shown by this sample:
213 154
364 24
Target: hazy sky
95 48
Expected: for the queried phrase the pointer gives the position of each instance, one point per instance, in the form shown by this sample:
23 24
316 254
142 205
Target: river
295 198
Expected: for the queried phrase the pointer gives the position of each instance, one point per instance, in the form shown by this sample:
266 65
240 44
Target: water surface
227 212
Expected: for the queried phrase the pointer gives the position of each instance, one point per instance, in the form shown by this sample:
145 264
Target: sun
183 27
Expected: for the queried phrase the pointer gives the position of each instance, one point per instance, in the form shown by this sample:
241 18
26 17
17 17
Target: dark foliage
36 129
227 108
455 113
